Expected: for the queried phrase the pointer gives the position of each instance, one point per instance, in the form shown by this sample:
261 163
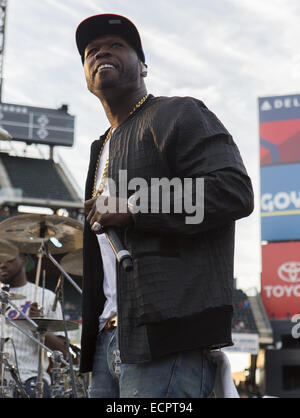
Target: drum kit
42 235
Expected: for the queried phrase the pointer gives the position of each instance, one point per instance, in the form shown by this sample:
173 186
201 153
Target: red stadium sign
280 279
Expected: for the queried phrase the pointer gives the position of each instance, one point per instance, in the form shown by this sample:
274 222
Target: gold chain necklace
98 191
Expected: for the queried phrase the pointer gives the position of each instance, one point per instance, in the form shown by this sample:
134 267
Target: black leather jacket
179 294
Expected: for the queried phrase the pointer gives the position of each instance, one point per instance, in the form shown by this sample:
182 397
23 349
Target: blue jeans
187 374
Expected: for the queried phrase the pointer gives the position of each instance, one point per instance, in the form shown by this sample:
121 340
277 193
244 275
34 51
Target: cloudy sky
224 52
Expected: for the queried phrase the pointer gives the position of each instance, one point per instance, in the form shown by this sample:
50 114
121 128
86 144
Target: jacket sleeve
215 185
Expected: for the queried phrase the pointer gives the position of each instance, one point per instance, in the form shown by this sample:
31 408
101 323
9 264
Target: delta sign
279 129
280 279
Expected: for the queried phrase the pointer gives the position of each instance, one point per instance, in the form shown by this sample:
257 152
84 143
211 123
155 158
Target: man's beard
125 77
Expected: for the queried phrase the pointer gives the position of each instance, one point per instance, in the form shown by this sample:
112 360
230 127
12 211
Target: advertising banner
279 129
280 279
280 202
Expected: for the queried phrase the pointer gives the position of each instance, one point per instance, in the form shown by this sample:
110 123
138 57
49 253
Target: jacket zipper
117 355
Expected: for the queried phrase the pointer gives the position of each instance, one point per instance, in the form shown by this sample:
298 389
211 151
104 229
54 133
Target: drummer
23 352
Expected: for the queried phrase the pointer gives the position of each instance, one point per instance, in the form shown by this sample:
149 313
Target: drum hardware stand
61 297
44 251
4 298
39 390
4 302
16 378
40 341
42 348
83 379
40 334
51 258
57 389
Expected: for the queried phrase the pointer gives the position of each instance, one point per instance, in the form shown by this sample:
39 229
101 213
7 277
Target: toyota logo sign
290 272
280 279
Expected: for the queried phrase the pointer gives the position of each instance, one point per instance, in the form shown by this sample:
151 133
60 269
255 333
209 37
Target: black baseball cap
107 24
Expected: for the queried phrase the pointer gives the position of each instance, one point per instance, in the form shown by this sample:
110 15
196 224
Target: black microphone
122 255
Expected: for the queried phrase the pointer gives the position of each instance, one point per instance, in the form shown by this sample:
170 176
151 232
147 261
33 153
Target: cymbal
47 324
8 251
73 262
61 234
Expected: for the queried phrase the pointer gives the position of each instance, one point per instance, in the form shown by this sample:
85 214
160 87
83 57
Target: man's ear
144 69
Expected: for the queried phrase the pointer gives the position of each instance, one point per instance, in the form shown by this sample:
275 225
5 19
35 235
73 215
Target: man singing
147 333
